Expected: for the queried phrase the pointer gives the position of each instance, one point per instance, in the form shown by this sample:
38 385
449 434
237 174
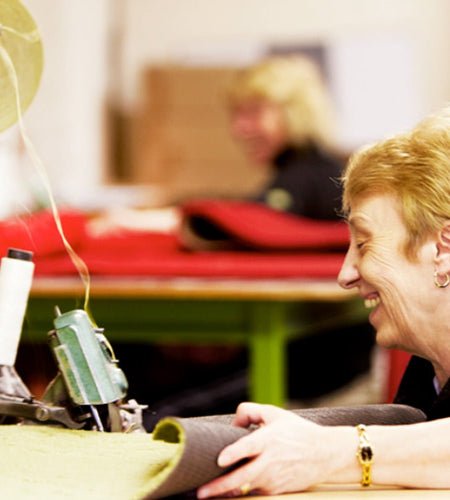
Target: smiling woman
387 279
397 200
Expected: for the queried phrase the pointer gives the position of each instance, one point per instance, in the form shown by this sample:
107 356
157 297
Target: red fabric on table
38 233
257 226
159 255
134 253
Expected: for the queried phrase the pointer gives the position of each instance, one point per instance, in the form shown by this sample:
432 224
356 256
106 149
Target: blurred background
130 110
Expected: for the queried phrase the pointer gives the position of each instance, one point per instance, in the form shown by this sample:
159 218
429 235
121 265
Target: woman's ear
443 249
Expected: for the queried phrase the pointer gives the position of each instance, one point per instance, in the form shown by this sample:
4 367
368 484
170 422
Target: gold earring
438 284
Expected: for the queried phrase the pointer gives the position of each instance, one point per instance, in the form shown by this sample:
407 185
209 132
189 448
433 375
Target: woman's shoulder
308 157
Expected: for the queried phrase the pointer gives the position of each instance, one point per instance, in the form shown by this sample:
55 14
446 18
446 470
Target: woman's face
400 293
259 126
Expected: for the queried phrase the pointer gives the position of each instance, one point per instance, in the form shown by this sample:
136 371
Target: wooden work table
334 492
262 314
224 289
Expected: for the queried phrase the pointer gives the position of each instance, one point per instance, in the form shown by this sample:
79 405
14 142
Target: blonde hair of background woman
295 84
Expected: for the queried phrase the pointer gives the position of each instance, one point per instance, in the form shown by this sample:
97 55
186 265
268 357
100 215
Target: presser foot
126 417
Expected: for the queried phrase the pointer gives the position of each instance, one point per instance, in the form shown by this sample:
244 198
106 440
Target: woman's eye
359 244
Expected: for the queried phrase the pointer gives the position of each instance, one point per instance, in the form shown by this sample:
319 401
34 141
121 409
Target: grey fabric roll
203 438
377 414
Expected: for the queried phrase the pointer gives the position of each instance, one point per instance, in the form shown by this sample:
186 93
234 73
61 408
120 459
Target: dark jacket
306 182
417 389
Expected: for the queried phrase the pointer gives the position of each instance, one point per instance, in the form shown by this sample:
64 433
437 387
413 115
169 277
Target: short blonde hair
415 168
294 83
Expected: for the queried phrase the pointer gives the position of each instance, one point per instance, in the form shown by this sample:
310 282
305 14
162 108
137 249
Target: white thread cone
16 277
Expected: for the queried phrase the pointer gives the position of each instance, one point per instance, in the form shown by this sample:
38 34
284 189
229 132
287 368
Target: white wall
66 120
408 40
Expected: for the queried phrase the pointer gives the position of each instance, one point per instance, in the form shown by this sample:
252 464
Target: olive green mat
180 455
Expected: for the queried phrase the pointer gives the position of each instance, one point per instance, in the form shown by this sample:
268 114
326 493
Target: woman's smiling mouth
371 303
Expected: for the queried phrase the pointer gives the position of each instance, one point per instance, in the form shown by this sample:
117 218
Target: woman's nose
239 124
349 274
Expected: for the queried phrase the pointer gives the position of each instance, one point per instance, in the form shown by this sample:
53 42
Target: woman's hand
287 453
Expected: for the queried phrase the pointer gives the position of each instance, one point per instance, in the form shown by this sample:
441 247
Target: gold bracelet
365 455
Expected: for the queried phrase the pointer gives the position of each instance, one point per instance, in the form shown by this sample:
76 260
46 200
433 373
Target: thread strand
76 259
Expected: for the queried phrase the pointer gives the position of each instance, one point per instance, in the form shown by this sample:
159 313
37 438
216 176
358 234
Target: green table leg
268 353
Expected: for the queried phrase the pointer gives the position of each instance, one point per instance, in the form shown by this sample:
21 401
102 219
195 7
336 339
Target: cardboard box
176 91
180 137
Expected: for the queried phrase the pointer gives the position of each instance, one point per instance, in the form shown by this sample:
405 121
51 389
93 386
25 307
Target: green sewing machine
87 393
89 389
90 385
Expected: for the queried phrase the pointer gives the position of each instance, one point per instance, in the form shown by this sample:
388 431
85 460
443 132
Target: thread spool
16 275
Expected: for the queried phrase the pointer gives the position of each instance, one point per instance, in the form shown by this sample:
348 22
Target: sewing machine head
90 384
86 360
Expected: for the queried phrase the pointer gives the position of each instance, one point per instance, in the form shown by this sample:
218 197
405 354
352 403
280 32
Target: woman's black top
417 389
306 183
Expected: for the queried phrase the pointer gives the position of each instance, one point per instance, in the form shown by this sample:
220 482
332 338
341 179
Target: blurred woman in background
281 114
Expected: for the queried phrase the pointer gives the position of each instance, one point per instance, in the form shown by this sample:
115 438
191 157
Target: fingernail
202 493
222 461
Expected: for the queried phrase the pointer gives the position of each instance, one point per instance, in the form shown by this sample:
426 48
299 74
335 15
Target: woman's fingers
246 447
251 445
258 414
273 452
235 483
